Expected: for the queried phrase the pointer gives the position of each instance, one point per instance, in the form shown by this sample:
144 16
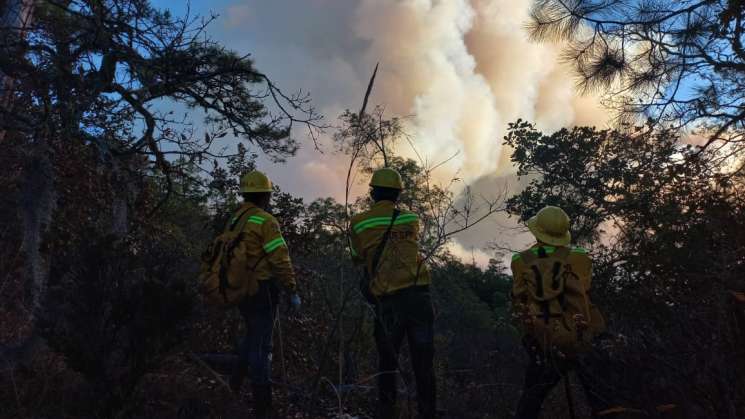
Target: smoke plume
461 69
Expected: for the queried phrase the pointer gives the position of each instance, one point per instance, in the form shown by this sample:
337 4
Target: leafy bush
115 313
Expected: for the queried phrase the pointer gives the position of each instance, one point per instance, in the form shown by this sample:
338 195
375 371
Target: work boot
263 401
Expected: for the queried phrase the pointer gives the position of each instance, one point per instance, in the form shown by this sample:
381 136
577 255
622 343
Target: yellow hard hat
551 226
387 178
255 181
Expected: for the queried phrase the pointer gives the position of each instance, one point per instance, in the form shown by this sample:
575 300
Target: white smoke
465 69
471 255
462 69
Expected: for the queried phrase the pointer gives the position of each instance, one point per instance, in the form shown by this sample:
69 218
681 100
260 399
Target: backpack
555 296
225 276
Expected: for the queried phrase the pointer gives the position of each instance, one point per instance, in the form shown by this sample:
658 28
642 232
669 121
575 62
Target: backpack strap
539 292
558 279
234 222
228 248
562 253
530 259
238 220
381 247
369 275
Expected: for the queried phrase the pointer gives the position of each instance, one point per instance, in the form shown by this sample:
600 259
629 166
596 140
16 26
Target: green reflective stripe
251 219
549 250
372 220
360 229
274 244
580 250
375 220
408 218
384 221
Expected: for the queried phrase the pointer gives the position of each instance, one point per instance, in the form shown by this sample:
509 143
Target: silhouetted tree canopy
96 72
679 62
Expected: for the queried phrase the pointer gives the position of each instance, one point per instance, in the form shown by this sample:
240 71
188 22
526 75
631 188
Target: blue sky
261 28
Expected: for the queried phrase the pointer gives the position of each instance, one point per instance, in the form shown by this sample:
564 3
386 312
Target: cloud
461 69
500 232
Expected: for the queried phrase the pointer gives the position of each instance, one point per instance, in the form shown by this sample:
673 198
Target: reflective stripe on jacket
265 246
400 265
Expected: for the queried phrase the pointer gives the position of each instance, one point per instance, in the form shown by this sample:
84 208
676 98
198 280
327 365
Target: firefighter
269 258
550 296
385 240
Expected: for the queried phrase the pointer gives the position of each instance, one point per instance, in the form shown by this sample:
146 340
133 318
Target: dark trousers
543 373
407 313
255 349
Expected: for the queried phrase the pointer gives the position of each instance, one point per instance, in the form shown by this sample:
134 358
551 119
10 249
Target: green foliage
488 286
599 175
116 309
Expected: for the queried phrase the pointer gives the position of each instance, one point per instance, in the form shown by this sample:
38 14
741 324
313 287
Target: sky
460 70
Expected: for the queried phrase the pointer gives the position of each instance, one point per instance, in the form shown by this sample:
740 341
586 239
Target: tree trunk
120 202
37 203
13 14
37 198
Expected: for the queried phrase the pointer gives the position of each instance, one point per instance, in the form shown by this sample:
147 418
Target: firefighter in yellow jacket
548 365
385 240
268 256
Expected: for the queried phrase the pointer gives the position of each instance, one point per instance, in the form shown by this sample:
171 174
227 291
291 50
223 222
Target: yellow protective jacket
578 259
264 246
400 265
